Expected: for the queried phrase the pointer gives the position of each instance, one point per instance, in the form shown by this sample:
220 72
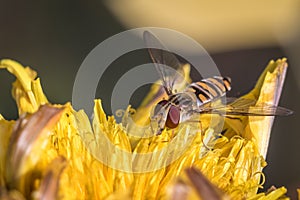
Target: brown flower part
28 132
50 183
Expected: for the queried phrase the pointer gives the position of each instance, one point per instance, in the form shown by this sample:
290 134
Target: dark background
54 37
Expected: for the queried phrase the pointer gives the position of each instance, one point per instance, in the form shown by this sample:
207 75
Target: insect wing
259 110
161 57
246 107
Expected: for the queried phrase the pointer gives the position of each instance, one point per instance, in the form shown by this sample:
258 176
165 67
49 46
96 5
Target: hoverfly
197 97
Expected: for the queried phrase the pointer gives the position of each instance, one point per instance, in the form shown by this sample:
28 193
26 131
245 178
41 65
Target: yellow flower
52 151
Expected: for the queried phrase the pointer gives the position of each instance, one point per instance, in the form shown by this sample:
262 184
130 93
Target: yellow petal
259 128
26 90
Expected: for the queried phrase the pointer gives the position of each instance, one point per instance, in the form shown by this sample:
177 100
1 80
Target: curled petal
28 132
50 183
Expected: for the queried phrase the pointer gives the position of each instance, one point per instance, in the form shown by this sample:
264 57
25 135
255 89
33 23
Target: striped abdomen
210 88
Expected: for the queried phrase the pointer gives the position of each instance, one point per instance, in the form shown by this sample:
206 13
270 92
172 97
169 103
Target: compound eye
173 117
159 106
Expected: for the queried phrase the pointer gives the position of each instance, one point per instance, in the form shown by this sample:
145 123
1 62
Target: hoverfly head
173 117
159 116
165 115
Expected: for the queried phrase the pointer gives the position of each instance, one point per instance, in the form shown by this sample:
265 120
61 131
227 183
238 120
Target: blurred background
54 37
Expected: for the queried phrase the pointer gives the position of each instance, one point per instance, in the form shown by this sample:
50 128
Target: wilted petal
29 131
204 188
50 182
